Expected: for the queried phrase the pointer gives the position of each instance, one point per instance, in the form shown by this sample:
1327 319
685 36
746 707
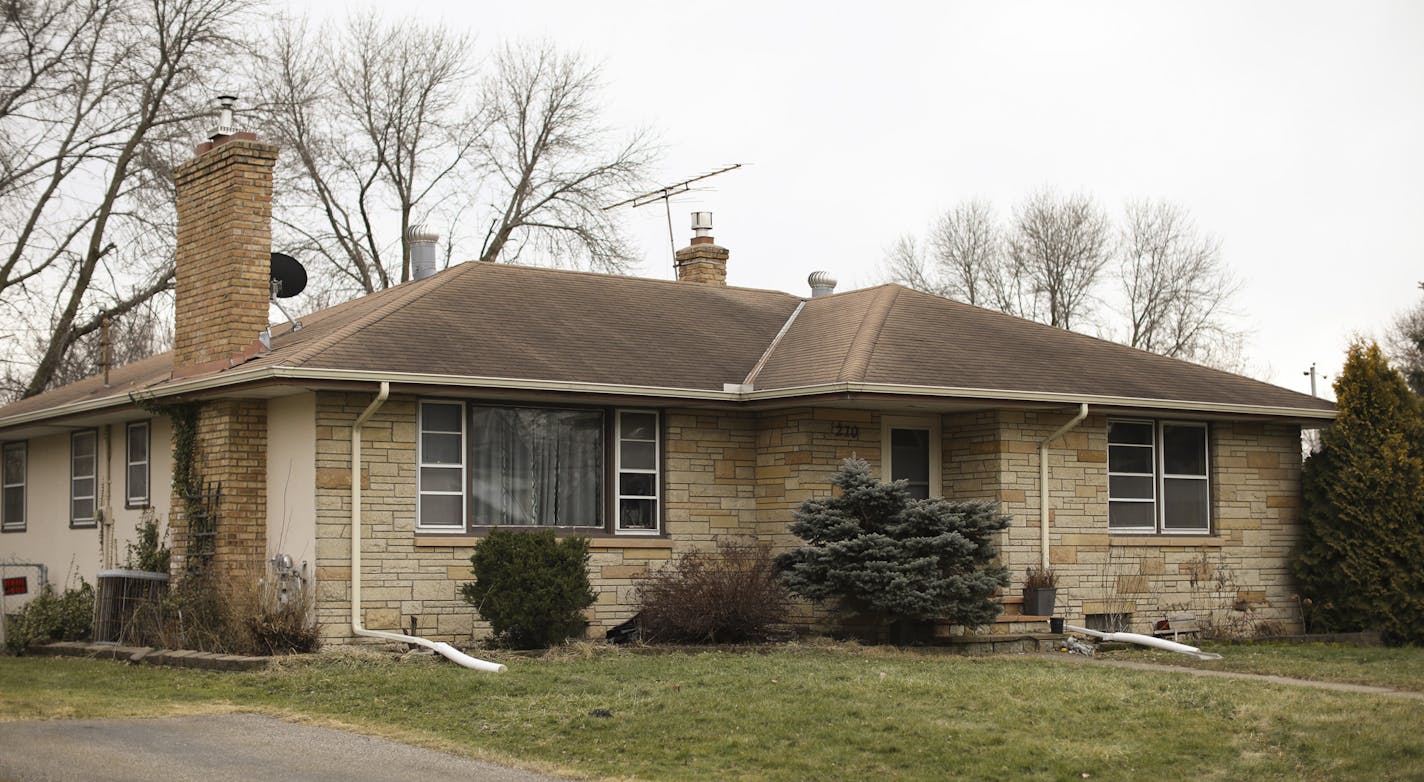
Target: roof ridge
397 302
771 348
857 359
634 277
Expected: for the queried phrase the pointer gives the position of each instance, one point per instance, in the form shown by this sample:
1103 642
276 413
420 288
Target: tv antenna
665 194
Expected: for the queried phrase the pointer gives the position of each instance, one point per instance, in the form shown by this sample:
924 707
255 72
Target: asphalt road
222 747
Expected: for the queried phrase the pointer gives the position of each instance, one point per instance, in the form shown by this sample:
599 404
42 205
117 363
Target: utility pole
1312 374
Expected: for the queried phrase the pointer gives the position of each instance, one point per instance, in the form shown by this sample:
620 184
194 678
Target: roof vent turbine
822 284
422 251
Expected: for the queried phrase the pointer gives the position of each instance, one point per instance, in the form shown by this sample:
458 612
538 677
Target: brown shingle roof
482 320
497 320
135 376
897 336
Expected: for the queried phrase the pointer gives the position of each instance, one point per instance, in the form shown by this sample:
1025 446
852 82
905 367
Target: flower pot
1039 602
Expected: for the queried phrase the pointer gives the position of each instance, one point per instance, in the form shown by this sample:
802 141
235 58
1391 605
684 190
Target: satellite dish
288 276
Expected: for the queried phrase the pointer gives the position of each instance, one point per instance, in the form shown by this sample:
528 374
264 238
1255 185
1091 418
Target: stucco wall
291 478
48 538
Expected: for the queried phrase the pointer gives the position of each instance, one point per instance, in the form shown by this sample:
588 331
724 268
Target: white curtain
537 467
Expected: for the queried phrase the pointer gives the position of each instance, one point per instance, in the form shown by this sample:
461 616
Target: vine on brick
183 416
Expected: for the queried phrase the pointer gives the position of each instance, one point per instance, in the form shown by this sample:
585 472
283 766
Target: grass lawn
1397 668
811 712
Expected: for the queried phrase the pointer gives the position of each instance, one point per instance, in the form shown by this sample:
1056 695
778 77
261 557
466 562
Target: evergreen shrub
880 554
1359 563
530 586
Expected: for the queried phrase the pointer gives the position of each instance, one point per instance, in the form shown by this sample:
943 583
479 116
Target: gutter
1043 481
444 649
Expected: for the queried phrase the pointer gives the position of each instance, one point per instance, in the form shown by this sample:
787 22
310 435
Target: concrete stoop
179 658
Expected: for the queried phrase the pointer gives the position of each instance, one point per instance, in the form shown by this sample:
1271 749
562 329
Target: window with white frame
912 454
1158 478
83 464
136 464
441 458
637 469
12 494
488 465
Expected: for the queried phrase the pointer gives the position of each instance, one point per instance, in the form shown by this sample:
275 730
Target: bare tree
548 162
1176 289
391 126
965 260
969 254
905 263
1058 247
1404 342
374 117
137 333
96 92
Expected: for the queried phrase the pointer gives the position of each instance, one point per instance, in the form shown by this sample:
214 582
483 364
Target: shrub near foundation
728 595
531 587
877 553
53 616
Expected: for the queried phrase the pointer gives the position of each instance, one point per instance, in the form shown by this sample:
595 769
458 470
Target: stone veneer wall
1255 488
735 474
726 474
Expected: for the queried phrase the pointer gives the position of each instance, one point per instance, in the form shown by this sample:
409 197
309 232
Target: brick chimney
224 248
703 261
221 297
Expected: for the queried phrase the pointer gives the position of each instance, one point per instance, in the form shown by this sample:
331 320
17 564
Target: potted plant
1040 587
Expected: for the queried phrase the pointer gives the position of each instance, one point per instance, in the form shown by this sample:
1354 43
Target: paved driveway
221 747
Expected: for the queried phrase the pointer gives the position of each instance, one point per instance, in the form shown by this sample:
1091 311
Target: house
651 416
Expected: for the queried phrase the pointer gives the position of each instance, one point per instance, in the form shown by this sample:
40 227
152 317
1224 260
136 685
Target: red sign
18 585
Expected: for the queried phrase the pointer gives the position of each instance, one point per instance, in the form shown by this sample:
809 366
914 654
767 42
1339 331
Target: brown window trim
93 520
24 446
1211 532
148 465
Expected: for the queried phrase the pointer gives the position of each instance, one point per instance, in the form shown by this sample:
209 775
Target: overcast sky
1292 131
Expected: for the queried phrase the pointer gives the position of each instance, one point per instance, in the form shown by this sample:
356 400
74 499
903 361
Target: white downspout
1043 480
1146 640
448 651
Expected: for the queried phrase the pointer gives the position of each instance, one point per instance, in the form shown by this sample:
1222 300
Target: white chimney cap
224 126
701 223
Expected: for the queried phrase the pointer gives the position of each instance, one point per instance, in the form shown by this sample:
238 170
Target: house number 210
845 430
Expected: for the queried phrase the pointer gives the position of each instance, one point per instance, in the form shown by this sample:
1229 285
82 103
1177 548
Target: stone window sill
594 541
1198 541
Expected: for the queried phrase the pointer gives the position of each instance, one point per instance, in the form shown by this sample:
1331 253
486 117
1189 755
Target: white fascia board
410 378
1006 395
